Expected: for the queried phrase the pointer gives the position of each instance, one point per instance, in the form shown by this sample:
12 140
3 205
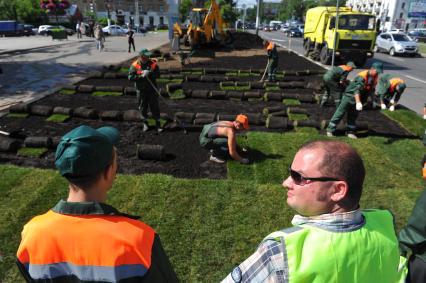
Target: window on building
161 8
161 21
401 15
403 5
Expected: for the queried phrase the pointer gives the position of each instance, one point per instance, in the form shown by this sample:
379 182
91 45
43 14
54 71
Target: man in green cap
336 80
389 90
356 93
144 72
83 239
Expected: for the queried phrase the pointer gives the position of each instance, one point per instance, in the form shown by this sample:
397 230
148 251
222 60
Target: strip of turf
289 101
177 94
409 120
67 91
58 118
32 151
107 93
17 115
297 117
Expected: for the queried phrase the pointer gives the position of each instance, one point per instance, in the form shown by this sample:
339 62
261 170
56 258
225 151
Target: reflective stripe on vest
91 247
365 75
270 46
345 68
393 83
138 66
368 254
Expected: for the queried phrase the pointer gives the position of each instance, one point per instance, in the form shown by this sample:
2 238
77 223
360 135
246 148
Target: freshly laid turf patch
289 101
58 118
67 91
17 115
237 88
409 120
177 94
297 117
107 93
151 122
243 74
32 151
166 81
272 88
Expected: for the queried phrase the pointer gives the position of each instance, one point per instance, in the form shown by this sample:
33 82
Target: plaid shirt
269 262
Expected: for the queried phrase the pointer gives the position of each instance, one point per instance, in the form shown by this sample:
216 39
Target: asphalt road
412 70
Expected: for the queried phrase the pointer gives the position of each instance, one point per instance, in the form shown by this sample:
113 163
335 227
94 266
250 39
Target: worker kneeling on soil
389 90
144 72
356 93
219 137
272 52
336 80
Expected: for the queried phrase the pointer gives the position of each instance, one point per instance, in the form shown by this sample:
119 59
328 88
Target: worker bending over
336 80
389 90
220 138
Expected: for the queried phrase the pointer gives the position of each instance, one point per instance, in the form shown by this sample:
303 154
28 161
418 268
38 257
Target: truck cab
352 37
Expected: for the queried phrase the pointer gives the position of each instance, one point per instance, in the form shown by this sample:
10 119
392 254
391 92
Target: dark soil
185 158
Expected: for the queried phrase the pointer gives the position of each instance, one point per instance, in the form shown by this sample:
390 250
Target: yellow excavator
205 26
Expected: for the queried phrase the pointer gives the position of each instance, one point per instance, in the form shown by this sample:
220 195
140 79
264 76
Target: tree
54 7
228 10
27 11
296 9
184 9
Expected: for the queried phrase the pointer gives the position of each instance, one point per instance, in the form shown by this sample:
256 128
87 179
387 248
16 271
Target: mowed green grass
209 226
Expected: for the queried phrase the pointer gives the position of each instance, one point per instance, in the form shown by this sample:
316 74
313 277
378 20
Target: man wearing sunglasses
332 239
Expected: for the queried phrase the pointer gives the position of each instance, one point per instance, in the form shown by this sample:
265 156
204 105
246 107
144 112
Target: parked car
417 35
28 30
42 28
396 43
294 32
301 28
266 28
285 28
114 30
48 30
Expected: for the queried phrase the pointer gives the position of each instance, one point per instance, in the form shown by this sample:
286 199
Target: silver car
396 43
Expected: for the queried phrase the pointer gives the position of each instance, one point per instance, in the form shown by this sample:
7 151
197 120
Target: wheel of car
392 52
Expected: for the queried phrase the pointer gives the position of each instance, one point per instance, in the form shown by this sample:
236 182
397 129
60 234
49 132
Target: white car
43 28
396 43
114 30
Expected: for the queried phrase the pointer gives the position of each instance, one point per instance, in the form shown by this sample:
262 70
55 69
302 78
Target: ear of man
339 191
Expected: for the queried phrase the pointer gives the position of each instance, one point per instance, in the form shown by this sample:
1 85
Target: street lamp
336 25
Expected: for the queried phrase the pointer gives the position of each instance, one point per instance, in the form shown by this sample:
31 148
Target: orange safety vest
346 68
393 83
270 46
92 247
138 66
365 75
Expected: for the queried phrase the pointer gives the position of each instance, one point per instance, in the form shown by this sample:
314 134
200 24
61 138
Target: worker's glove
392 108
245 161
244 149
383 106
358 106
392 101
145 73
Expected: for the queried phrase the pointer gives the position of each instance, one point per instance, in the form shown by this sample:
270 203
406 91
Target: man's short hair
341 161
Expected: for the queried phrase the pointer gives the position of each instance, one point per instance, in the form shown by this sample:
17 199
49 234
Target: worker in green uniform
389 90
272 52
144 72
336 80
356 93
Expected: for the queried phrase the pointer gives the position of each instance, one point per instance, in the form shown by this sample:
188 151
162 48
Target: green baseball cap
351 64
85 151
145 52
378 66
401 87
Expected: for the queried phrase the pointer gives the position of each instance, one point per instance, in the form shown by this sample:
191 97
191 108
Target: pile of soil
184 157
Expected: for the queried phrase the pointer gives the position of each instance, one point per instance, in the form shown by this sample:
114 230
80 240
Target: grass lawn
209 226
107 93
17 115
58 118
422 47
67 91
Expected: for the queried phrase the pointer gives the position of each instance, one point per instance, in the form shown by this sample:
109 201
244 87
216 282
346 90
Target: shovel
264 73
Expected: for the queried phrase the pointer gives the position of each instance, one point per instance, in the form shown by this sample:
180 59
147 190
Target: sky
251 3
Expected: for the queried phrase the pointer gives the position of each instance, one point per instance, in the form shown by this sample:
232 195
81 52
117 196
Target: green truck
353 37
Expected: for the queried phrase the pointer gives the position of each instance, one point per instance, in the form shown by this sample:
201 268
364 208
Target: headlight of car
399 47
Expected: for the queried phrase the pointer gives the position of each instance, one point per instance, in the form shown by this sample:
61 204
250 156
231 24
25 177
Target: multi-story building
140 12
393 14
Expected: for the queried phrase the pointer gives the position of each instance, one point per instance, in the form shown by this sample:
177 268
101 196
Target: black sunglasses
301 180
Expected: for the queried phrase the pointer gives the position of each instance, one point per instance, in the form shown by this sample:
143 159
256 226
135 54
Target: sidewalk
36 66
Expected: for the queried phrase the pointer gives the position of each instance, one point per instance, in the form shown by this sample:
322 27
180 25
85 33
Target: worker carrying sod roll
220 138
144 72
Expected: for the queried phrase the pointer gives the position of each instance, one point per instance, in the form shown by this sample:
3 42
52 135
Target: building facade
139 12
393 14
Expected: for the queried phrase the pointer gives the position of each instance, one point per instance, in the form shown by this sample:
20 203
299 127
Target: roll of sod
195 70
38 142
86 88
303 73
102 88
150 152
269 84
84 112
298 85
95 75
209 116
290 96
192 78
132 115
226 117
235 95
173 87
285 85
225 84
307 123
41 110
256 85
252 94
282 113
63 110
218 94
292 79
69 87
175 76
298 110
255 118
8 144
187 92
211 79
112 115
276 122
110 75
237 83
290 73
20 108
273 96
199 93
307 98
317 85
129 91
185 117
223 70
269 110
117 88
202 121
